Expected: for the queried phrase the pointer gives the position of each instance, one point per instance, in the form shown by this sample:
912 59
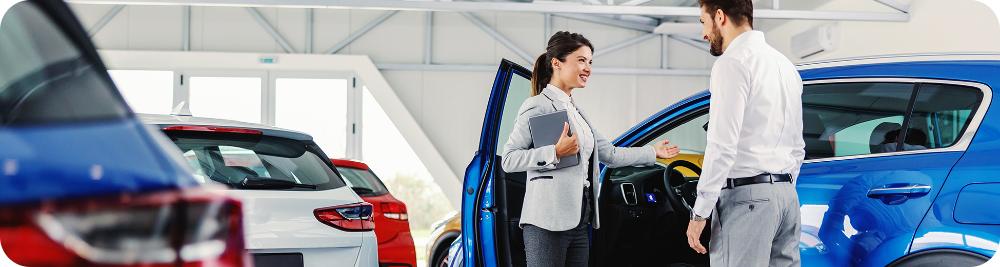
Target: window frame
960 145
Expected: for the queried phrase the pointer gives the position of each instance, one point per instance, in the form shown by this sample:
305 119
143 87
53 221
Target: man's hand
665 151
566 145
694 236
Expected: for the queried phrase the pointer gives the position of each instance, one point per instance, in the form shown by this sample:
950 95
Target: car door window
44 77
941 113
690 136
854 118
520 90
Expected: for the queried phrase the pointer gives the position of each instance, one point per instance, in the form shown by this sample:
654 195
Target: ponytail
541 75
560 45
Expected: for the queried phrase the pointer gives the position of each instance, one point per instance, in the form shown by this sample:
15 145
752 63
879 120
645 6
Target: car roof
172 120
350 164
899 58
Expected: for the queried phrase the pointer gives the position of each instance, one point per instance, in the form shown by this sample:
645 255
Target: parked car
900 170
82 181
299 211
443 233
392 223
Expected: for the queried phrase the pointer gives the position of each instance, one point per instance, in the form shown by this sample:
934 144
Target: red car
392 225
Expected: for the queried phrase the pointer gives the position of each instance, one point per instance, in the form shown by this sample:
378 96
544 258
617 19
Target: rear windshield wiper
268 183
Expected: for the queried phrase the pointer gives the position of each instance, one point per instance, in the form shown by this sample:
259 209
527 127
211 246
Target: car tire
955 258
441 253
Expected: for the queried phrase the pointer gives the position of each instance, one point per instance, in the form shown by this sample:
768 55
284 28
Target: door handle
894 194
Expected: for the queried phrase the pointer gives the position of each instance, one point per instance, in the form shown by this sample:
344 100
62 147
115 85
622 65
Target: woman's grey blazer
553 198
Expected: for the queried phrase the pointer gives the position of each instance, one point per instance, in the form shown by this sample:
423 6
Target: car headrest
878 136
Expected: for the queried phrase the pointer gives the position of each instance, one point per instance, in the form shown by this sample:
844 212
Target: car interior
644 215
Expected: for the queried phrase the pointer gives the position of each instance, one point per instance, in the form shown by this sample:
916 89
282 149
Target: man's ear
720 17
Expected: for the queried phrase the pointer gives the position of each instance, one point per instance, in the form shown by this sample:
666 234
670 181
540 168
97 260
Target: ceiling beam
285 45
636 2
498 37
895 4
361 32
703 46
624 44
105 19
609 21
517 7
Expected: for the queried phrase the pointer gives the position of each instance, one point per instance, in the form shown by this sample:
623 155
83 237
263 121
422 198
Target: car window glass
363 179
519 91
231 158
855 118
936 123
45 79
690 136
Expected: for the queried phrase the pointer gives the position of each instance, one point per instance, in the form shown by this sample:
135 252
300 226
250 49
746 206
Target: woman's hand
665 151
567 144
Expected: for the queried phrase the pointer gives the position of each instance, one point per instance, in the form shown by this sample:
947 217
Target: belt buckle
770 177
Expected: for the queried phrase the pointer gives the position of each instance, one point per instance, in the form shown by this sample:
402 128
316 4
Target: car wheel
942 258
441 253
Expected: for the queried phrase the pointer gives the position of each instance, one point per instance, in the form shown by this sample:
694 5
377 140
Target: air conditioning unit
817 40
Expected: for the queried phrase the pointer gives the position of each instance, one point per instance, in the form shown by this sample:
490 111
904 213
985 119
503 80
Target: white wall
447 105
934 26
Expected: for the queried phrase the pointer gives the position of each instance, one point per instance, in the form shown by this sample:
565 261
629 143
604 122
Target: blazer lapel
556 103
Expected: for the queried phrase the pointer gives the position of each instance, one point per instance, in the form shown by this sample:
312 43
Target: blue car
82 181
902 169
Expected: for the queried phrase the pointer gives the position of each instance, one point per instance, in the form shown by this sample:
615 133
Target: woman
560 203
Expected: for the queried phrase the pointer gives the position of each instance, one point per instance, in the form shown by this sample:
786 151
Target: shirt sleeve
730 90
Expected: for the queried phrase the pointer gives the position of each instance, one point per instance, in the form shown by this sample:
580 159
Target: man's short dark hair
739 11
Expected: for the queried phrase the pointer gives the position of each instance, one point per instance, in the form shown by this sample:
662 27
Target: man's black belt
759 179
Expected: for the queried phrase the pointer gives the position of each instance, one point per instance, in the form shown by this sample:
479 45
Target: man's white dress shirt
755 118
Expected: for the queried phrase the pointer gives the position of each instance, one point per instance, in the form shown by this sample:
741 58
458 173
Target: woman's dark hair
560 45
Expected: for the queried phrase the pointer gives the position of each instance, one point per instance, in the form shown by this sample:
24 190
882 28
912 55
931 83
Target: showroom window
221 97
146 91
315 106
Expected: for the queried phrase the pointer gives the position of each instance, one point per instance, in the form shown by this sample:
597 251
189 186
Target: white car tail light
177 228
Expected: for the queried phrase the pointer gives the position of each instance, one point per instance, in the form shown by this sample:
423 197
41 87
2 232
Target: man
755 146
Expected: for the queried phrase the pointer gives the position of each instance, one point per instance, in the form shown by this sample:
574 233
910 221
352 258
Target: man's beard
715 43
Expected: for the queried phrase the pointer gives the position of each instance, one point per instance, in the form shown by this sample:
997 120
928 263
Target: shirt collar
746 38
555 92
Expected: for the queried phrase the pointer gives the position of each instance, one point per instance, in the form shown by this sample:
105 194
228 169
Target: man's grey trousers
756 225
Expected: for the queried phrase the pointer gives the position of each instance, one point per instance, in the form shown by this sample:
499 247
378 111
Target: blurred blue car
902 169
82 181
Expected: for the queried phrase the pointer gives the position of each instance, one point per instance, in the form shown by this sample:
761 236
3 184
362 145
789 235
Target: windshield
251 161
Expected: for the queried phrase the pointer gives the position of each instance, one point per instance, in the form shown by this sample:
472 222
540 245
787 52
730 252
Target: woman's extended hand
567 144
665 151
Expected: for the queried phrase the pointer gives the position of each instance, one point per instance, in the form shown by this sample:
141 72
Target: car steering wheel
686 191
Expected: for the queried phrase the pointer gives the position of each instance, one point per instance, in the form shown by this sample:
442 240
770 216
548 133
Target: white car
298 211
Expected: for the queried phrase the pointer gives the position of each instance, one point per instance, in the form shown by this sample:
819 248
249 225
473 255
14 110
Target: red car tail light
353 217
395 211
178 228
